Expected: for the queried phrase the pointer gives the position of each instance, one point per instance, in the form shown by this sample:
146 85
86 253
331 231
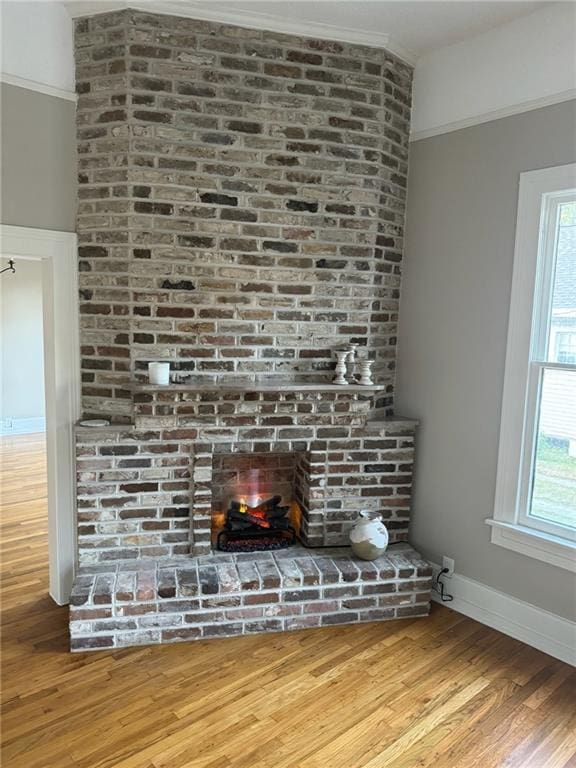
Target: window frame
540 194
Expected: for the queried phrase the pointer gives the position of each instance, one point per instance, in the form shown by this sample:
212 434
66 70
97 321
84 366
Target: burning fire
254 522
257 514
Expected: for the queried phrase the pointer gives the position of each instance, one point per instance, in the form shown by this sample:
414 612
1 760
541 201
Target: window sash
526 484
545 272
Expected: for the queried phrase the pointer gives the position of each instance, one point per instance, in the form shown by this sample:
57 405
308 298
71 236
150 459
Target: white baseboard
523 621
22 426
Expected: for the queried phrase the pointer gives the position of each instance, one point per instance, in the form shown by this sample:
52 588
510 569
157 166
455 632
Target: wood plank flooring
442 692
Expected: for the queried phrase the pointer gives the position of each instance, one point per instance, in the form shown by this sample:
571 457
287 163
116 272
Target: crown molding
34 85
497 114
250 19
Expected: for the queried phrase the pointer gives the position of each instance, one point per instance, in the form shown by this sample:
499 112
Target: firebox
254 502
265 526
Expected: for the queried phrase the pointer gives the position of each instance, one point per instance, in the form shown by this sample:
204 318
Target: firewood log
261 508
261 522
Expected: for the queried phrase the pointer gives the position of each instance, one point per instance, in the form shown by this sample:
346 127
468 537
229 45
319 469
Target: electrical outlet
448 562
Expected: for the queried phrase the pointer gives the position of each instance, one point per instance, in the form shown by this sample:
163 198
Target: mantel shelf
257 387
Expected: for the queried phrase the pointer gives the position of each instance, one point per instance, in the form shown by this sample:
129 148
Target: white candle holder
341 356
366 372
351 362
350 365
159 374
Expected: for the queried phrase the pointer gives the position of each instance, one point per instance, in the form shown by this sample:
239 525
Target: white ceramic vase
369 537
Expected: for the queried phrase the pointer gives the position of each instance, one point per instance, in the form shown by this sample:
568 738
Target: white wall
526 63
21 328
37 44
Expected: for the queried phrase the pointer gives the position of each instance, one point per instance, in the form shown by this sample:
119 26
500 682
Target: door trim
57 252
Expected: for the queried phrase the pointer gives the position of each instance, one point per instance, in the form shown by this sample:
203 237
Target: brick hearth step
193 598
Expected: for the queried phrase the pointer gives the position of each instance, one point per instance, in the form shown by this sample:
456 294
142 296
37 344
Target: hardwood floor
443 692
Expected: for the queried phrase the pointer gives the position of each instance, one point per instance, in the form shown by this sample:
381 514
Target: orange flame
243 506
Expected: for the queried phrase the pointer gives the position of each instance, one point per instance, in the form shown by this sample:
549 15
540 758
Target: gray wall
21 328
462 200
38 170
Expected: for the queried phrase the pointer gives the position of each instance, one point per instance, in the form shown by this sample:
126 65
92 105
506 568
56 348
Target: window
566 347
535 504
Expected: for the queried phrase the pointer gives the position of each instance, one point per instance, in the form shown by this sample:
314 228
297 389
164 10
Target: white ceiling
412 28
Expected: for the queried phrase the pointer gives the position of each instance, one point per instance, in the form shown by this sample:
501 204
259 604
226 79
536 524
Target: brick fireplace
241 209
148 492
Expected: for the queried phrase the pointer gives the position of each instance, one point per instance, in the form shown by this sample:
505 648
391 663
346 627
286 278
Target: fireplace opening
254 502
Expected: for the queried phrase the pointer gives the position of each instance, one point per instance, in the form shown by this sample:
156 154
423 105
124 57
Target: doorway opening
39 397
22 390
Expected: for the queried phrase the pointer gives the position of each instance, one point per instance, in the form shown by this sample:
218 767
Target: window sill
536 544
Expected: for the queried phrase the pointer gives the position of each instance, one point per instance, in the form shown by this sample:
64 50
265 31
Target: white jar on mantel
369 536
159 374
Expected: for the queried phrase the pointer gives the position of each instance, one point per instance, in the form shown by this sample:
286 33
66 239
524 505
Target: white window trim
506 528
